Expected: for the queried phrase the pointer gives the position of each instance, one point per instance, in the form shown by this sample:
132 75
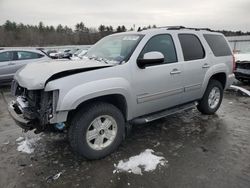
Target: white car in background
79 54
241 49
13 59
242 71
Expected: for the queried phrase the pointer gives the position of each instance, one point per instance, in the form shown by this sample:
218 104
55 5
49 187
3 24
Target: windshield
116 48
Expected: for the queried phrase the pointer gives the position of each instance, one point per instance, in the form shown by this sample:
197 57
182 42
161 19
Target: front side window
191 47
161 43
6 56
23 55
117 48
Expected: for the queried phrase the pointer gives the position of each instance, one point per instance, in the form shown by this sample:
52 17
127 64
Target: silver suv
126 78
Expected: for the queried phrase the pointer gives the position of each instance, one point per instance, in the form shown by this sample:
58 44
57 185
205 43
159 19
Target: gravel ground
202 151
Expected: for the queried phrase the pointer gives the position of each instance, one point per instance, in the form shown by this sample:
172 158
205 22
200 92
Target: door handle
205 66
175 71
11 63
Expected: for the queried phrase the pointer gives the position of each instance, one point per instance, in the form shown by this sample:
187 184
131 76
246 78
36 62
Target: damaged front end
32 109
242 71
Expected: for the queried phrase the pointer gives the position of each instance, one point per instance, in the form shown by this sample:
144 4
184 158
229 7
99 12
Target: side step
164 113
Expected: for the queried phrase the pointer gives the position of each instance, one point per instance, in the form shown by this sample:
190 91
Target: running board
164 113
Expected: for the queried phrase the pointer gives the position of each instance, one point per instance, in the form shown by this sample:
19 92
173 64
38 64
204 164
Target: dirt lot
202 151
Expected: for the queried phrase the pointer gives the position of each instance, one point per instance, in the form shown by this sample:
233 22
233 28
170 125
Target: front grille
16 90
33 97
242 65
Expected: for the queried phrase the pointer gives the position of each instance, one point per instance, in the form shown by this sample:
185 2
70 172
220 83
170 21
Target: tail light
234 64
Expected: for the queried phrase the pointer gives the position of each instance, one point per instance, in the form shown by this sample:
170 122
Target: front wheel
97 130
212 98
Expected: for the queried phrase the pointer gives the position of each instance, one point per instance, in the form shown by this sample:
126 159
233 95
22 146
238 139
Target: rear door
6 65
195 65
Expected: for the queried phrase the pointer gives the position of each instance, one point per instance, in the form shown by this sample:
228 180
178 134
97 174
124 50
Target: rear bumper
230 80
15 113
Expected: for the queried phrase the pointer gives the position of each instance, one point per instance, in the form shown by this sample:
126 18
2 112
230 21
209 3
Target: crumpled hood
242 57
35 75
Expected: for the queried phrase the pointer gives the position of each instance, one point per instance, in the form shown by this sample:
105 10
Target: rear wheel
97 130
212 98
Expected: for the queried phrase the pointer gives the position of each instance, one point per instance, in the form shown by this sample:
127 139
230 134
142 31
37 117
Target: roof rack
182 27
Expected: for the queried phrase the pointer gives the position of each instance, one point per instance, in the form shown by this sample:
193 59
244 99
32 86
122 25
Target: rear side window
161 43
22 55
191 47
218 45
6 56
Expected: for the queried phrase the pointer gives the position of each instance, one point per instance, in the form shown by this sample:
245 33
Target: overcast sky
215 14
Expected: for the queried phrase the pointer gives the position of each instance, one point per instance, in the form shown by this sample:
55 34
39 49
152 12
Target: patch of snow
54 177
19 139
28 145
243 90
157 144
6 143
146 161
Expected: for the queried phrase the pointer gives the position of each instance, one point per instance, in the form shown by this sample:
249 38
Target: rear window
218 45
191 47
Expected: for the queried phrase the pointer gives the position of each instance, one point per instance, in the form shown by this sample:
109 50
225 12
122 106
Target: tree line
13 34
19 34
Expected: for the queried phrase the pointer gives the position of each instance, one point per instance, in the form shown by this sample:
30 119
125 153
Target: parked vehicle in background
241 49
126 78
79 54
70 53
13 59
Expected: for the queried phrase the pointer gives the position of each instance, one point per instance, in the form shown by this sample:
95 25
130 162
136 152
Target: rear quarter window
218 45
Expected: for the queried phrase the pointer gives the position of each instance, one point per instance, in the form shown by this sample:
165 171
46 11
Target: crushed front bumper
16 113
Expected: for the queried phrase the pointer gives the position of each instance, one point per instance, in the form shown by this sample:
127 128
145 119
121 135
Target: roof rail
198 29
172 27
182 27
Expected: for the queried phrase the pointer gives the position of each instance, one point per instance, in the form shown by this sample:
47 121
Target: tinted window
218 45
22 55
6 56
163 44
191 47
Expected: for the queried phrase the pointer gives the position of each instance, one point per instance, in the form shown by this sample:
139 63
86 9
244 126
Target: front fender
81 93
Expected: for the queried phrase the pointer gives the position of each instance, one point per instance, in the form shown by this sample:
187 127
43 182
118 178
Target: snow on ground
243 90
145 161
27 145
19 139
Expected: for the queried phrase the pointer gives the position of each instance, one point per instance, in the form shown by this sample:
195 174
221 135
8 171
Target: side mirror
150 58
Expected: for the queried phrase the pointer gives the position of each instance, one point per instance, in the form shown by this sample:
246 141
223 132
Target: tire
205 105
88 135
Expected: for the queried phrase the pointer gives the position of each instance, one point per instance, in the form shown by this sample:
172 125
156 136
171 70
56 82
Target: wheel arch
118 100
221 77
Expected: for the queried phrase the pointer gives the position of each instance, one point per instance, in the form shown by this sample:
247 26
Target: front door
158 87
